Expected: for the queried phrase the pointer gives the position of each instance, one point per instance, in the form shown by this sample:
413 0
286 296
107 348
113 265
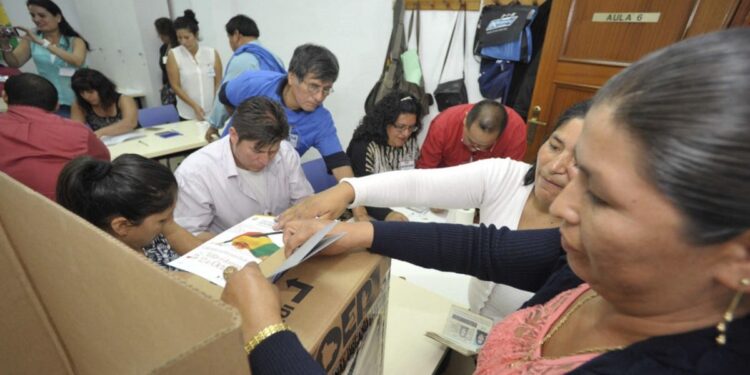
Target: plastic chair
317 173
165 114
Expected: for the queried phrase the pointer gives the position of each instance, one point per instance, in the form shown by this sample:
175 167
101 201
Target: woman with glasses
386 140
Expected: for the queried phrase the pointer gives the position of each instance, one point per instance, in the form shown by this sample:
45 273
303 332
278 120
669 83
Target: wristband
46 43
264 334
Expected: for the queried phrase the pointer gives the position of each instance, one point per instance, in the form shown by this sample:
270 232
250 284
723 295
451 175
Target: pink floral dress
514 346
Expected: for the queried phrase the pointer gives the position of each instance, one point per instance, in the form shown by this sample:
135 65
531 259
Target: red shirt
443 146
35 145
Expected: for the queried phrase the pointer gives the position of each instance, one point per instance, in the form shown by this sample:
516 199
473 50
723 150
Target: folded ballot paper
253 240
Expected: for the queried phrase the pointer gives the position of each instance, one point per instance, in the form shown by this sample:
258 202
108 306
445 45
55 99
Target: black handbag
448 94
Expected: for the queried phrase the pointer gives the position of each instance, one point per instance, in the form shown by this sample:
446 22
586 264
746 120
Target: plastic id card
168 134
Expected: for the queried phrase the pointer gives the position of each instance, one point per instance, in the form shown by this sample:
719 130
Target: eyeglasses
474 147
405 128
315 89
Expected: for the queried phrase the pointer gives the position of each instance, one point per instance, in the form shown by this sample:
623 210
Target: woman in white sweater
507 192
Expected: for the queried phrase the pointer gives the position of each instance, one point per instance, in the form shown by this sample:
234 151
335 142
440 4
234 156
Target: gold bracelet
264 334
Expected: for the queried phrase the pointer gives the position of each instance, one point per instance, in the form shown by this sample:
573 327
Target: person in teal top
56 48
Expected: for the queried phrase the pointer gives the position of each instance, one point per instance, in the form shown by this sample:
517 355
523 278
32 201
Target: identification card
211 72
406 164
164 60
293 138
464 331
66 72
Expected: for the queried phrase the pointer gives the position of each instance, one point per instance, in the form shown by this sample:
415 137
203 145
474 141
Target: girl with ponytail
132 198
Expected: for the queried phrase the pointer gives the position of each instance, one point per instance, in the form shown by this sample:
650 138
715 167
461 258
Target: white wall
125 45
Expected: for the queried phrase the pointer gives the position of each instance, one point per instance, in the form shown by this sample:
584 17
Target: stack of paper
247 242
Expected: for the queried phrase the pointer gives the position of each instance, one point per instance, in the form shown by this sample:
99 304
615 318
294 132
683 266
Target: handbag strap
463 50
411 27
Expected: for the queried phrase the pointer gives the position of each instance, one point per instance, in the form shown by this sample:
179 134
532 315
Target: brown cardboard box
75 300
332 303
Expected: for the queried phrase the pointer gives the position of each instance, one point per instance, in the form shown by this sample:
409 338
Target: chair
317 173
165 114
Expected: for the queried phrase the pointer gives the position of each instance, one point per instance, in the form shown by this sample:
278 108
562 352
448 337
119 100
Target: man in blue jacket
312 72
249 54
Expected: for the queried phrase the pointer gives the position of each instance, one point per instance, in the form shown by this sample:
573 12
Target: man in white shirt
253 171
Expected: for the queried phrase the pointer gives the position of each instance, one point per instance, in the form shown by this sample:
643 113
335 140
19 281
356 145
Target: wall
125 45
357 32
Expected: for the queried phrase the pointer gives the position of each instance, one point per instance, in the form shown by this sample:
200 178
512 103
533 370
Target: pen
143 143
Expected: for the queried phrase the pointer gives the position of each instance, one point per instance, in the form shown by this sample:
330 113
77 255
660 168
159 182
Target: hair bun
97 169
190 14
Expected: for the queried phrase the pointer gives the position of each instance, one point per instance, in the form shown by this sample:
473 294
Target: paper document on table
464 331
248 241
116 139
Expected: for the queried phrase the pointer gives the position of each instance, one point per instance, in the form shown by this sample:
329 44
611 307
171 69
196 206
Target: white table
450 285
419 301
412 311
151 145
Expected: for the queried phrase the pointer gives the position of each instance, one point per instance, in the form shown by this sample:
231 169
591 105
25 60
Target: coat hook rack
470 4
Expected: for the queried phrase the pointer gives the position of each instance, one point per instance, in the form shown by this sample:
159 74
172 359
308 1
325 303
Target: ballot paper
116 139
249 241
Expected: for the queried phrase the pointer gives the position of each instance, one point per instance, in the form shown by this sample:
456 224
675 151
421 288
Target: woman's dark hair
130 186
187 21
64 26
687 106
164 26
576 111
373 126
86 79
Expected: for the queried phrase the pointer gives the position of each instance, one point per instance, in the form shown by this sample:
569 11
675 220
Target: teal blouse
55 69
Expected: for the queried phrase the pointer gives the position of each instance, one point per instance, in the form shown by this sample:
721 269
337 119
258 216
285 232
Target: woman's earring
721 339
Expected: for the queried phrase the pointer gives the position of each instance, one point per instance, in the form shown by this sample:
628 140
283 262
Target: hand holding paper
255 297
358 235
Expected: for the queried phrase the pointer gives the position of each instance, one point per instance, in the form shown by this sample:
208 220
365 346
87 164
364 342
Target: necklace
564 319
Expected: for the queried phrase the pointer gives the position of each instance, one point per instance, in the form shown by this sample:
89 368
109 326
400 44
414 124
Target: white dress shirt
214 197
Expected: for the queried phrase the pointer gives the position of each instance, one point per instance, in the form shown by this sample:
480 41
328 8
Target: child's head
131 197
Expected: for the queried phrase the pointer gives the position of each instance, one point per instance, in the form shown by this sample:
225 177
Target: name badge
406 164
293 138
66 72
211 72
164 60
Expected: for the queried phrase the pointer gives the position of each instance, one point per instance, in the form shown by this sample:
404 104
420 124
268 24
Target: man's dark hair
244 24
316 60
260 119
32 90
489 115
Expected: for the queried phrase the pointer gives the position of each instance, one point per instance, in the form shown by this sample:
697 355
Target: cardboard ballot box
74 300
336 305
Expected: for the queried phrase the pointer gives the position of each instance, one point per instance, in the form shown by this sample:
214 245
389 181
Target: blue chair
317 173
165 114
